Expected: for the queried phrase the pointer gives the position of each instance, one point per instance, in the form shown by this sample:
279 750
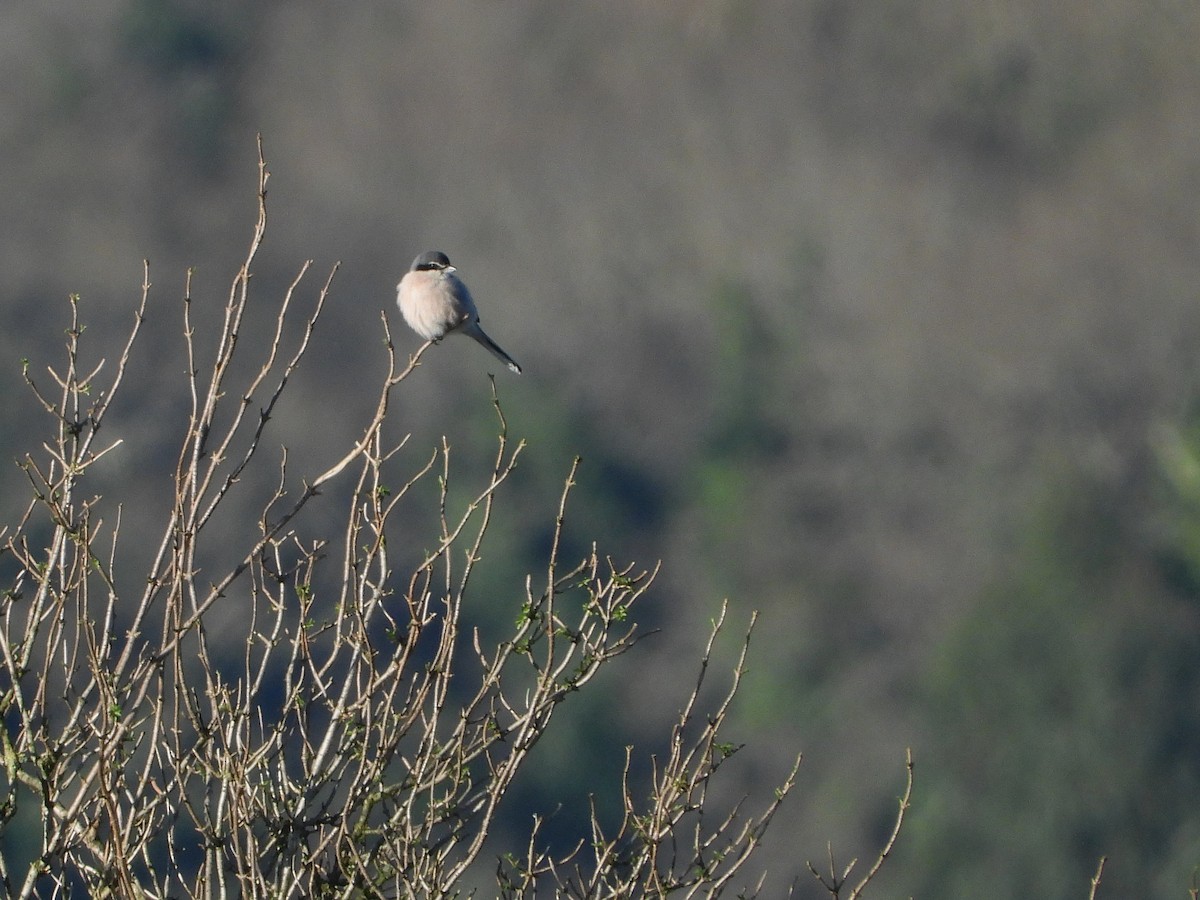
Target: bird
435 302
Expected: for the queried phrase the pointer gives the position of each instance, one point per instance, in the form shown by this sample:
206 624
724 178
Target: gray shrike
435 303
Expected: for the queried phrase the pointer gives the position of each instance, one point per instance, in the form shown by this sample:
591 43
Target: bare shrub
348 741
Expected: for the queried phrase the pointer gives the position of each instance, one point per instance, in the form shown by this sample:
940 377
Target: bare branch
346 733
1099 874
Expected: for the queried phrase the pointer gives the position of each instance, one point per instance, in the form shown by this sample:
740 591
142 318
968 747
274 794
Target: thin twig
1096 878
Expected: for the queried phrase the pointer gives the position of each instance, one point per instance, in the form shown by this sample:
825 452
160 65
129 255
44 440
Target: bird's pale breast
429 305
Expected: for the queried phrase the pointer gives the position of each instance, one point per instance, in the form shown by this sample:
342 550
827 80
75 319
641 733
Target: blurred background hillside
880 318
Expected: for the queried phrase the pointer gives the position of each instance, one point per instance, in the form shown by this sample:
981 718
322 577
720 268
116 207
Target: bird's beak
450 269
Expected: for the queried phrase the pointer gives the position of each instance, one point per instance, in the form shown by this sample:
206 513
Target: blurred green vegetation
196 53
170 36
1062 706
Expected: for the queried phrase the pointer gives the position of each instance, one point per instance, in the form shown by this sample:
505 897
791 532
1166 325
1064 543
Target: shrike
435 302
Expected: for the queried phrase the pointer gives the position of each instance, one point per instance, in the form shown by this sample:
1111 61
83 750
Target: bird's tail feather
481 336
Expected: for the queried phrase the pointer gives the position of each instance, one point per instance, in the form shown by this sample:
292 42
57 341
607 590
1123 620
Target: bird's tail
480 335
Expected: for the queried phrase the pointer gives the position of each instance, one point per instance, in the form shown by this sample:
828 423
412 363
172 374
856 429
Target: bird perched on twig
435 302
